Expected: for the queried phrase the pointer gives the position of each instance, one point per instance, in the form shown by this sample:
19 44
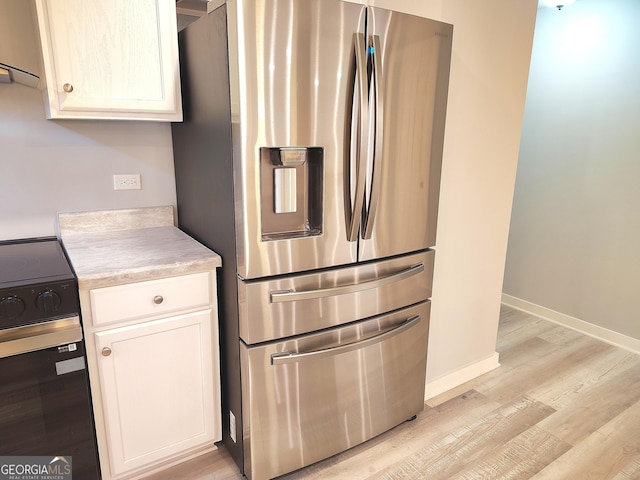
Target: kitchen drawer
151 298
287 306
331 390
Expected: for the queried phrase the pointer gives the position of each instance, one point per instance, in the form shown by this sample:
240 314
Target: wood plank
216 465
529 351
521 457
605 454
595 407
522 352
542 370
517 327
367 460
631 471
455 451
511 358
560 335
565 389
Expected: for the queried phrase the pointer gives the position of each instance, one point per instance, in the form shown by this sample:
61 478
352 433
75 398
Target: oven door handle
39 336
293 357
278 296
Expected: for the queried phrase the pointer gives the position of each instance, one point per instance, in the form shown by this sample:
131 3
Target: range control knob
11 308
48 302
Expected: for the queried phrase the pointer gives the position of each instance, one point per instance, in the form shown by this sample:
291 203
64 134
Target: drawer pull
106 351
277 296
158 299
67 87
293 357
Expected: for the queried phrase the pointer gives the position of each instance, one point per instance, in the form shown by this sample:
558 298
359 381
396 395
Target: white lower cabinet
156 380
154 369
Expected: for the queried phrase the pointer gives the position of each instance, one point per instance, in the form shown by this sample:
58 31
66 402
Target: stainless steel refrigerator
310 158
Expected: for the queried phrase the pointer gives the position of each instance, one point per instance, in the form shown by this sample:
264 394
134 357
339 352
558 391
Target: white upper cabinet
110 60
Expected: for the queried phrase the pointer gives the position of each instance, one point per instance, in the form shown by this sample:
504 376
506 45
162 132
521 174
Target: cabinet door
116 59
159 388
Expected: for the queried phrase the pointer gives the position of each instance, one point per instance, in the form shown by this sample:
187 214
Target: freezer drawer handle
291 357
278 296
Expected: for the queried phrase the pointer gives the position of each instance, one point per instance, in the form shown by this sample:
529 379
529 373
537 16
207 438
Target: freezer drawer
293 305
308 398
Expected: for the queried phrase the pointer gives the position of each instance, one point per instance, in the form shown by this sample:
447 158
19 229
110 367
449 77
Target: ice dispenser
291 192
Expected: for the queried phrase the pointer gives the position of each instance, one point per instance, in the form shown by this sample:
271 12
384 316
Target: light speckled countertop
113 247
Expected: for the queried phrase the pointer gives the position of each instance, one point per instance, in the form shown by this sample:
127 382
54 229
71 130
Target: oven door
45 408
310 397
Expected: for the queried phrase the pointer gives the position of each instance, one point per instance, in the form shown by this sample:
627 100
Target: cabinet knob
106 351
67 87
158 299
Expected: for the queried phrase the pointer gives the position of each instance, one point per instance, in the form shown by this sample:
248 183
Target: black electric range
44 388
36 282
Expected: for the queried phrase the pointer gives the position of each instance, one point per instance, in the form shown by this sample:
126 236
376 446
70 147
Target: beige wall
573 245
68 165
492 42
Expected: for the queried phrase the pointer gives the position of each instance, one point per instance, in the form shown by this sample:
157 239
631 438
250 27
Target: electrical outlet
127 182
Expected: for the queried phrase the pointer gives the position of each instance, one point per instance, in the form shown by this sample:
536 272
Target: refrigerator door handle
292 357
377 92
361 123
278 296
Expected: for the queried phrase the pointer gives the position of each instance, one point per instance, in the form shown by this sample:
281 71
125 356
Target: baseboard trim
600 333
451 380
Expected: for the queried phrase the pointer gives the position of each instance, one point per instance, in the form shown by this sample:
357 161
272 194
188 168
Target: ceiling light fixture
559 4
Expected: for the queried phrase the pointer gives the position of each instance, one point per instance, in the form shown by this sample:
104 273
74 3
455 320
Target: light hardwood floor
561 406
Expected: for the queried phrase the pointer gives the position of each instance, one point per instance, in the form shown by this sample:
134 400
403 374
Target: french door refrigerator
310 158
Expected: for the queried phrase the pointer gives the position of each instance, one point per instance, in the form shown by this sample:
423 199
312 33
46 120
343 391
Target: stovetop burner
36 282
32 260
